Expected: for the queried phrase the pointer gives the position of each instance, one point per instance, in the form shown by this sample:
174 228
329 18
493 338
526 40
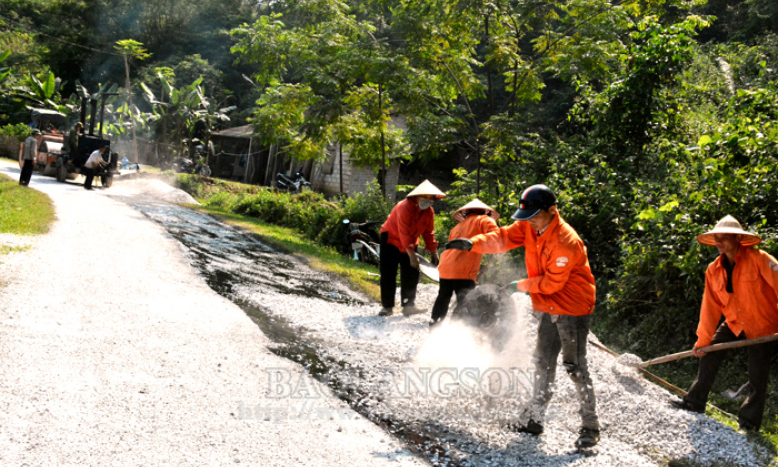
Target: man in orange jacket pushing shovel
562 290
742 285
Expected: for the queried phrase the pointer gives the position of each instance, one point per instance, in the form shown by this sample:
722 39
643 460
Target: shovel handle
711 348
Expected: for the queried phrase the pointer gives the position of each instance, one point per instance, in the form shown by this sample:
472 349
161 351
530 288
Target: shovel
710 348
428 269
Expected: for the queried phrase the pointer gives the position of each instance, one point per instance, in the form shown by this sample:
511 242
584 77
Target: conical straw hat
426 188
729 225
475 204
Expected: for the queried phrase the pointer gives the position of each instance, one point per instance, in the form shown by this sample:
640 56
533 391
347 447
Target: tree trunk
382 172
248 162
340 165
488 68
129 107
269 170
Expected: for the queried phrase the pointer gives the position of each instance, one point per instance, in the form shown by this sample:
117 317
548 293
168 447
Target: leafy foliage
308 212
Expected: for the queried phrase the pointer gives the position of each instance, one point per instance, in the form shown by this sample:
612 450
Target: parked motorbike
184 165
364 241
292 186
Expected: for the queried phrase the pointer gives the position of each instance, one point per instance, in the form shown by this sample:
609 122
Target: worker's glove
514 286
413 259
434 258
462 244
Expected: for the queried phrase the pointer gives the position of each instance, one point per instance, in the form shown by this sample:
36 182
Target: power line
35 31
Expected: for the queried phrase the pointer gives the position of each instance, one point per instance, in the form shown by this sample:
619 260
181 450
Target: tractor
69 165
51 124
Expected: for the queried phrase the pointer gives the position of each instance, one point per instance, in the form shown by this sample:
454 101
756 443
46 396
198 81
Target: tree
131 49
327 75
186 119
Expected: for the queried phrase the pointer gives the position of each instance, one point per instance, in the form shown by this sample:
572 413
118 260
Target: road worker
458 270
562 290
410 219
742 285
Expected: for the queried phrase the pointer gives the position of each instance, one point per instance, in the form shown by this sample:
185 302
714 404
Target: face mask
425 203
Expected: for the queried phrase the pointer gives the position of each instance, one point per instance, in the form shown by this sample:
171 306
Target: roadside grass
6 249
23 210
362 277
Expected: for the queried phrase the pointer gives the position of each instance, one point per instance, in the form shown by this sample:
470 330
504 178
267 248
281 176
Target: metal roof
241 132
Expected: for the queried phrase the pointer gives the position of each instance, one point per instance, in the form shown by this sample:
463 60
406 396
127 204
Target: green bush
308 212
20 130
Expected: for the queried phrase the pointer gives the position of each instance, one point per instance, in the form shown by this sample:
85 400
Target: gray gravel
639 427
113 351
160 370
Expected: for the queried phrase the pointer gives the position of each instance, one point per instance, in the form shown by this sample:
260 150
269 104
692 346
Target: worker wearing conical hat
410 219
458 270
742 285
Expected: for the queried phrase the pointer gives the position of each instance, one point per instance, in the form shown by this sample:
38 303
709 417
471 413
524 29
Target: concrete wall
355 179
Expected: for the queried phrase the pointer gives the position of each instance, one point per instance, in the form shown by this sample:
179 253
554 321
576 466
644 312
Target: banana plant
4 71
175 122
41 92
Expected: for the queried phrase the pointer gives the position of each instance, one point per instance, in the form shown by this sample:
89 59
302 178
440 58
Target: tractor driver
71 143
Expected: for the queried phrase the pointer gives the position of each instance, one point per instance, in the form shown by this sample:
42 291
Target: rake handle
710 348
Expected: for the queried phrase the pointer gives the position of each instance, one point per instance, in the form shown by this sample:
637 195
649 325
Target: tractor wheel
107 180
62 173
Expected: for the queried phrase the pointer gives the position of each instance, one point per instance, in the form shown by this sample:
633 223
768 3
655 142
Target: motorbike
184 165
364 241
293 186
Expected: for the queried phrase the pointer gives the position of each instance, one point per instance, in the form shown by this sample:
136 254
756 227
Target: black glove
463 244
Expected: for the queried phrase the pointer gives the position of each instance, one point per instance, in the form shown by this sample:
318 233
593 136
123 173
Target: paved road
113 351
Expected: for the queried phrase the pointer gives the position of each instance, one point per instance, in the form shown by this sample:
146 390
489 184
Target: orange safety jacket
753 305
560 280
407 222
456 264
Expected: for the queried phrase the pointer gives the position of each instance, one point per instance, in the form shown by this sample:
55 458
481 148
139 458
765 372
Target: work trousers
391 257
24 178
567 334
90 175
759 357
447 288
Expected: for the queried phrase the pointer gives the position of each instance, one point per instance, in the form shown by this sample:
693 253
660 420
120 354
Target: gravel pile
379 355
151 188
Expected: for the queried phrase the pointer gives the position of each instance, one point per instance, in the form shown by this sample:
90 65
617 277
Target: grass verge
362 277
23 210
5 249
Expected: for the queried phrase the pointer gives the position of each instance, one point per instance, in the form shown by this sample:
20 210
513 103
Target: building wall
355 179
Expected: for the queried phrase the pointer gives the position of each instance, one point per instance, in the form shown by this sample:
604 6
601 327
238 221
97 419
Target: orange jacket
455 264
560 281
407 222
753 305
